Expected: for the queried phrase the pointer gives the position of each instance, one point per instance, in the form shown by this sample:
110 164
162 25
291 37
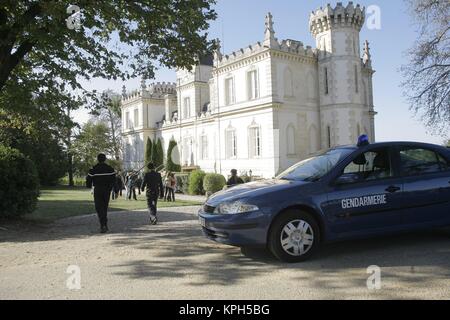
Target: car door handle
393 189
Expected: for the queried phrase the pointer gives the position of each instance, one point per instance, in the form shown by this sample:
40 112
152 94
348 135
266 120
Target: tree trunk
70 169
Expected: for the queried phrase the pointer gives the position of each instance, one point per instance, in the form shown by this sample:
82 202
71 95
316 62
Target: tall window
203 147
187 108
254 142
252 85
229 91
356 80
326 81
329 136
136 117
127 120
230 144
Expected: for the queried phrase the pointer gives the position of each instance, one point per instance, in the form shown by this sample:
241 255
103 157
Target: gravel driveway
173 261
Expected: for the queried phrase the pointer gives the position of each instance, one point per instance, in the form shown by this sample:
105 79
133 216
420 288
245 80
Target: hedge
19 183
213 183
196 182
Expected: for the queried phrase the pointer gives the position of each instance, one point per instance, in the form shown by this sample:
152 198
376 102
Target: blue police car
346 192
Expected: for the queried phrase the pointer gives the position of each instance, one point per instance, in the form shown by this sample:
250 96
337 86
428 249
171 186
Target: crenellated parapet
270 42
154 91
324 19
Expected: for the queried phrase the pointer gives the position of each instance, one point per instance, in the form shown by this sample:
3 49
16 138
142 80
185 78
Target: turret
343 89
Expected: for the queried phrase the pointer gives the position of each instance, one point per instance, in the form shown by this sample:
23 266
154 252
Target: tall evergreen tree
148 151
154 153
171 166
160 153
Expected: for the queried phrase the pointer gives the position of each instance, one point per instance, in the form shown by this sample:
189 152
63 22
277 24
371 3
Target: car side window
418 161
372 165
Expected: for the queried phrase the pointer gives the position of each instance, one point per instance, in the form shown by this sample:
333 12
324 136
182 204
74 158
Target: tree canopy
427 84
114 39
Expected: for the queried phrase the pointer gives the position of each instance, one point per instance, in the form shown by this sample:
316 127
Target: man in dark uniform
153 182
234 179
102 178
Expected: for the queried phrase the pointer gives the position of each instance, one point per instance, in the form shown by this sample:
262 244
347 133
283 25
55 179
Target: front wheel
294 236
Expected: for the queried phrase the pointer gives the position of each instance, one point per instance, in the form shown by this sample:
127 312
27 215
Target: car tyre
294 236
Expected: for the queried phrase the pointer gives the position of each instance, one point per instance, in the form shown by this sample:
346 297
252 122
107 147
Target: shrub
19 183
213 183
182 182
77 181
196 182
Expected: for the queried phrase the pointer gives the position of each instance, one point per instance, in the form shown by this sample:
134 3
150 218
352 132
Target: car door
426 180
365 195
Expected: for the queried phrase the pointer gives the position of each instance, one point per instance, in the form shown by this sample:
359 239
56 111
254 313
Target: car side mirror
347 179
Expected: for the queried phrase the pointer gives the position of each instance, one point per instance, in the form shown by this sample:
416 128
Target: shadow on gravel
176 250
179 251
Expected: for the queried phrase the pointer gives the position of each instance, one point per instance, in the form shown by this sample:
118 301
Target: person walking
119 183
153 183
101 177
173 186
167 185
131 186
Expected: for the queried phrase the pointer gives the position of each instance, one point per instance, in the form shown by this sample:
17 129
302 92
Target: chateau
261 108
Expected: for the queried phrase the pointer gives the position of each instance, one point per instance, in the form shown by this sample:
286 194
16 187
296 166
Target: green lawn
61 202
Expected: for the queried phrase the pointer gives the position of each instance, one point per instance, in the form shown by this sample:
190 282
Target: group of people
133 182
107 182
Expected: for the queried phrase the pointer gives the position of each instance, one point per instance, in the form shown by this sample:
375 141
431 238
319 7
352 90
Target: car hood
249 190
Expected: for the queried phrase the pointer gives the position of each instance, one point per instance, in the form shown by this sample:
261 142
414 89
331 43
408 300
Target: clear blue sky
241 22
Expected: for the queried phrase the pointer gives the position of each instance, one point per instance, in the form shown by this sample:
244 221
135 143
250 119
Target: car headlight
234 208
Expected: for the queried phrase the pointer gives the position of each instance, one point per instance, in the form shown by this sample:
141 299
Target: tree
19 183
107 109
171 166
92 140
154 153
148 151
66 129
160 154
42 48
39 140
427 84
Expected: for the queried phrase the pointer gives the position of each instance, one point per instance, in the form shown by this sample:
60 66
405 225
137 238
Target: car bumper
244 229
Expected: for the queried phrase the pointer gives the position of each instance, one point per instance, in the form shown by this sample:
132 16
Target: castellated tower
345 79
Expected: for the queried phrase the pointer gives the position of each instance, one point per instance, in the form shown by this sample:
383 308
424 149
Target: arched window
288 83
290 139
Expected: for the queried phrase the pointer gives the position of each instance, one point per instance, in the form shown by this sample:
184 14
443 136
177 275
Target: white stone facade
264 107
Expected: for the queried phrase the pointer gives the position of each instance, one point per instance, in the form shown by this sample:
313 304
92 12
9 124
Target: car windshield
314 168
